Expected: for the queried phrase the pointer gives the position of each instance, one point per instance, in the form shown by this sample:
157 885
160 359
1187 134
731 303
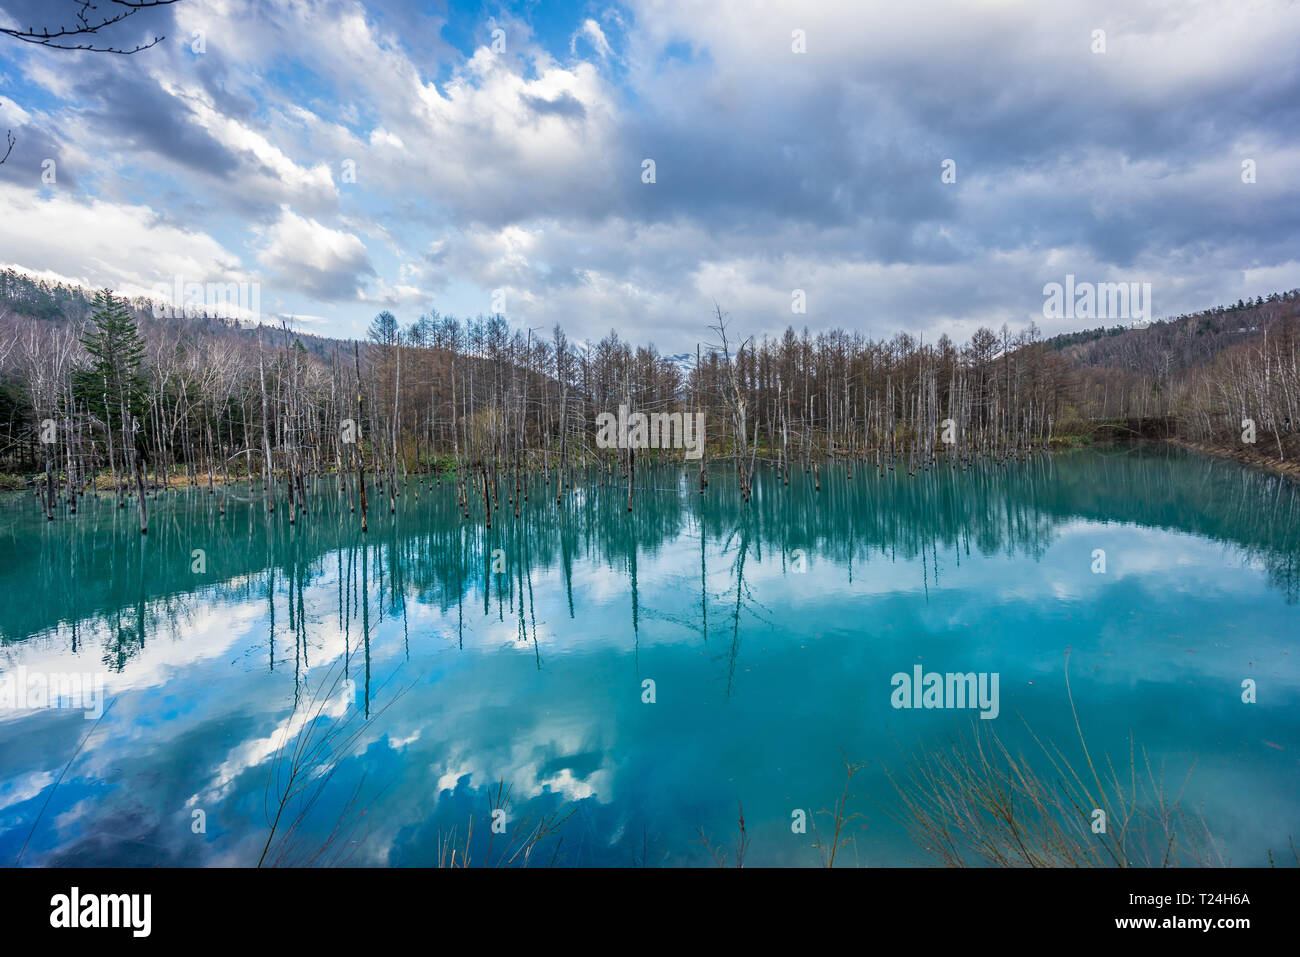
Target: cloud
139 114
591 31
775 170
99 244
566 104
326 264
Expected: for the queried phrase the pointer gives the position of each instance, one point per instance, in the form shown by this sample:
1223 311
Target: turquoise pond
442 660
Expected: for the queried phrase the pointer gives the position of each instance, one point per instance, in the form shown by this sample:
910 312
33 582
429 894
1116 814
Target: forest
96 392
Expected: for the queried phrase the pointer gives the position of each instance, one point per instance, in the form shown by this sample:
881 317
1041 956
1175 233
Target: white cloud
327 264
99 244
776 170
591 30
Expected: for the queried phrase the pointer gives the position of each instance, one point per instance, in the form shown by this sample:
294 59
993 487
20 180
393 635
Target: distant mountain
1162 347
26 296
1182 342
684 362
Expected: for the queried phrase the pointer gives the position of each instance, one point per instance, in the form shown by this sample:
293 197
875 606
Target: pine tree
113 384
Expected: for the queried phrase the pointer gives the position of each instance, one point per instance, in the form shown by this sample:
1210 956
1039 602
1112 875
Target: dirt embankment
1246 454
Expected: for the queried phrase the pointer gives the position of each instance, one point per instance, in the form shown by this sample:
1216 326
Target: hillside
1181 342
203 390
27 297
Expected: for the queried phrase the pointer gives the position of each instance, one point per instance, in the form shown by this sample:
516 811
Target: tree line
97 392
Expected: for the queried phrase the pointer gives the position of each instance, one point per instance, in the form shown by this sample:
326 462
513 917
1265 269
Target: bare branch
59 37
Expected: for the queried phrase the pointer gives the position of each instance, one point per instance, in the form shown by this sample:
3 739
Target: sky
926 167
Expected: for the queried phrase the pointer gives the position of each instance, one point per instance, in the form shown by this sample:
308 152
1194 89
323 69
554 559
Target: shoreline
1286 469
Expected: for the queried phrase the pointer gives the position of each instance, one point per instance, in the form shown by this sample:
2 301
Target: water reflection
764 627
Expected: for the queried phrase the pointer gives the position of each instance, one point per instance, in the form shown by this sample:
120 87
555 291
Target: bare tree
89 25
82 32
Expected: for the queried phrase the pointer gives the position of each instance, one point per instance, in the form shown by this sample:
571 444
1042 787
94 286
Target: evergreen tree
112 386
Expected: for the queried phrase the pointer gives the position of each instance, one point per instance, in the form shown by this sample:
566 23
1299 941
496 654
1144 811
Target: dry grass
718 852
301 768
515 849
840 819
979 803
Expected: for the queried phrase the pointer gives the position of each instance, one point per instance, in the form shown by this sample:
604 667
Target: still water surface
770 631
